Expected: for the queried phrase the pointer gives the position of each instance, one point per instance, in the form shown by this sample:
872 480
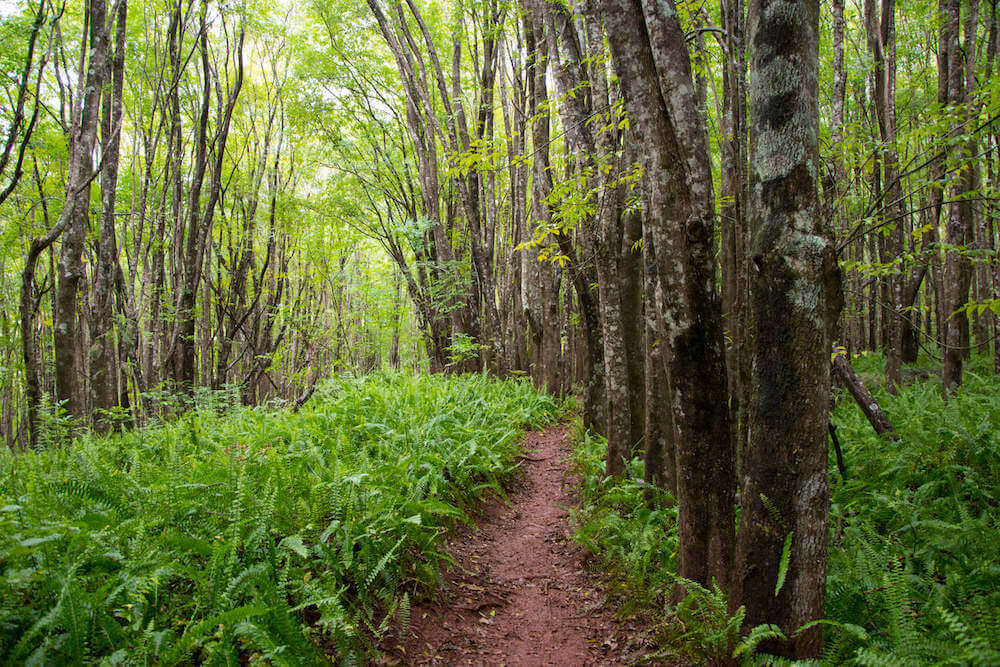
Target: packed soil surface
519 593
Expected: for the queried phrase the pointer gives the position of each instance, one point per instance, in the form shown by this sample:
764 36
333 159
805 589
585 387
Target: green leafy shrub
250 534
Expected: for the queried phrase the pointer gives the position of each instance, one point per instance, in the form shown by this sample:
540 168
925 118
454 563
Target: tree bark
660 454
881 31
17 126
796 300
541 300
552 25
28 307
732 219
958 226
873 413
103 369
651 59
199 216
83 138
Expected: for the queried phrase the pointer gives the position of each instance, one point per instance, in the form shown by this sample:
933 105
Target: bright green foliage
914 570
250 534
636 541
915 557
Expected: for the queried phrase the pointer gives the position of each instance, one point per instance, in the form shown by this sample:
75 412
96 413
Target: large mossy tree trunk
796 300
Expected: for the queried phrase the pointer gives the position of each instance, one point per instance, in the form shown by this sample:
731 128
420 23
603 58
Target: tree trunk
796 301
958 226
650 56
28 307
881 32
200 217
873 413
542 306
103 369
610 255
552 24
732 218
658 435
83 138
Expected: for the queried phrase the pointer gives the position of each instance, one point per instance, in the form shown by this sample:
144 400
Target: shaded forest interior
694 216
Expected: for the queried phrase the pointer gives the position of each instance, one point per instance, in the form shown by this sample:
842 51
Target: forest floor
519 592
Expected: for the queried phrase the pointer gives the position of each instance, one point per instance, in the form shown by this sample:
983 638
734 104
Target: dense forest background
300 189
682 212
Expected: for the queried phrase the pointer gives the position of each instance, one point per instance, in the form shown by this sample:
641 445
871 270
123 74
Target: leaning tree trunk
28 307
796 300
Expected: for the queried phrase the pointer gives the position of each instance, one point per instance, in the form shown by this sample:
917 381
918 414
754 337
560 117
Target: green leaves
786 558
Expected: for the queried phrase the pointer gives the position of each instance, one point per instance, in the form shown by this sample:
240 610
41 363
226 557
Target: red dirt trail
519 594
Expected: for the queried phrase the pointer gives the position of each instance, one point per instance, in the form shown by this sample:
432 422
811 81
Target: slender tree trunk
958 226
103 369
199 216
83 138
881 31
631 283
610 256
542 302
15 124
552 25
732 218
29 304
658 434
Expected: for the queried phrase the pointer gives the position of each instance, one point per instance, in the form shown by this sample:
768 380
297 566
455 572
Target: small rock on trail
519 594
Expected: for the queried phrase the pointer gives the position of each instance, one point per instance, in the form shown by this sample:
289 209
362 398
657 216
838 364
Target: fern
187 643
224 534
786 557
756 635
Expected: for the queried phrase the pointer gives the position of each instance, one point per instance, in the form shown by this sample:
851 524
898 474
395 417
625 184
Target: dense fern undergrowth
914 570
250 535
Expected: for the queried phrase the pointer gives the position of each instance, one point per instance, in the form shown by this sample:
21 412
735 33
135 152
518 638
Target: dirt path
519 595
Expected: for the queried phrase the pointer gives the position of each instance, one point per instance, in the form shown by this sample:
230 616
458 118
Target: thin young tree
20 128
75 217
103 369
